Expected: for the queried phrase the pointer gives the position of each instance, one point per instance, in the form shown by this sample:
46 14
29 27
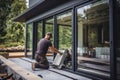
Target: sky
27 3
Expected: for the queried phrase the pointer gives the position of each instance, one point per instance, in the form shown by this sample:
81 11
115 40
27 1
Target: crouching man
43 45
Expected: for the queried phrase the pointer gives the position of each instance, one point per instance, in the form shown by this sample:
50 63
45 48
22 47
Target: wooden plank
19 56
27 75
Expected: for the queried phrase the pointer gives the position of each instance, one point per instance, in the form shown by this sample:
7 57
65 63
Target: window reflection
64 24
49 28
29 39
65 30
39 28
93 38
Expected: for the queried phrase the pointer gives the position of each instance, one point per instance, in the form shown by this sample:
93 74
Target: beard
49 38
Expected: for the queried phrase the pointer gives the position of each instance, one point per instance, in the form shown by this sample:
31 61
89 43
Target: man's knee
43 66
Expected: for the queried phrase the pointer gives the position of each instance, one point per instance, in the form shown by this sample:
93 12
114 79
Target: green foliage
13 44
11 31
15 30
29 36
65 37
5 7
39 31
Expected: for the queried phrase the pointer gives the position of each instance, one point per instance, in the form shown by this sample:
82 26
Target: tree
15 30
5 6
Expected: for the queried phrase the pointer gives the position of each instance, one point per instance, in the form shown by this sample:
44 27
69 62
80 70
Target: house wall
58 10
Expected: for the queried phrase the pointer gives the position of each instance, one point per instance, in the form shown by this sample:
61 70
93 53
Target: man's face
48 37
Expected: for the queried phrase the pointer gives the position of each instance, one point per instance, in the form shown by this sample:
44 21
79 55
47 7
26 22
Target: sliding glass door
93 48
64 24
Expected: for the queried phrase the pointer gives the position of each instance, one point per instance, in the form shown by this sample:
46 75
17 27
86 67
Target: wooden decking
50 74
19 71
17 54
22 68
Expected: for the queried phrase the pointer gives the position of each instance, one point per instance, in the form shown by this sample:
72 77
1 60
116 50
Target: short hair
49 33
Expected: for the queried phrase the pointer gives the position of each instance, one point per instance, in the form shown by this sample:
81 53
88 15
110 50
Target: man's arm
54 50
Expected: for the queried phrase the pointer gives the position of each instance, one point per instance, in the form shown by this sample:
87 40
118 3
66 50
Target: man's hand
55 50
60 53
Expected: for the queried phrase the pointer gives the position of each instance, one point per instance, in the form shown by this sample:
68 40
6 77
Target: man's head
48 35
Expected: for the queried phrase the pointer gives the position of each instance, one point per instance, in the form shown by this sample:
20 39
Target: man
43 45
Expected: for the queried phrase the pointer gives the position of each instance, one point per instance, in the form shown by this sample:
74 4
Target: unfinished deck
19 73
51 74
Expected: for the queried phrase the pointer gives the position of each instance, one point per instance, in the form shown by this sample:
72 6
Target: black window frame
74 36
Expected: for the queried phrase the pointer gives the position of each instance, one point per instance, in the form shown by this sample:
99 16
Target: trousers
42 62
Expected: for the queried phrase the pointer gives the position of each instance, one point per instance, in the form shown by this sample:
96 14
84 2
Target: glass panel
118 39
49 27
29 39
93 38
39 31
64 23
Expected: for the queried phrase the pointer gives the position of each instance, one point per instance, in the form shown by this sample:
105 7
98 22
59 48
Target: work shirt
43 46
